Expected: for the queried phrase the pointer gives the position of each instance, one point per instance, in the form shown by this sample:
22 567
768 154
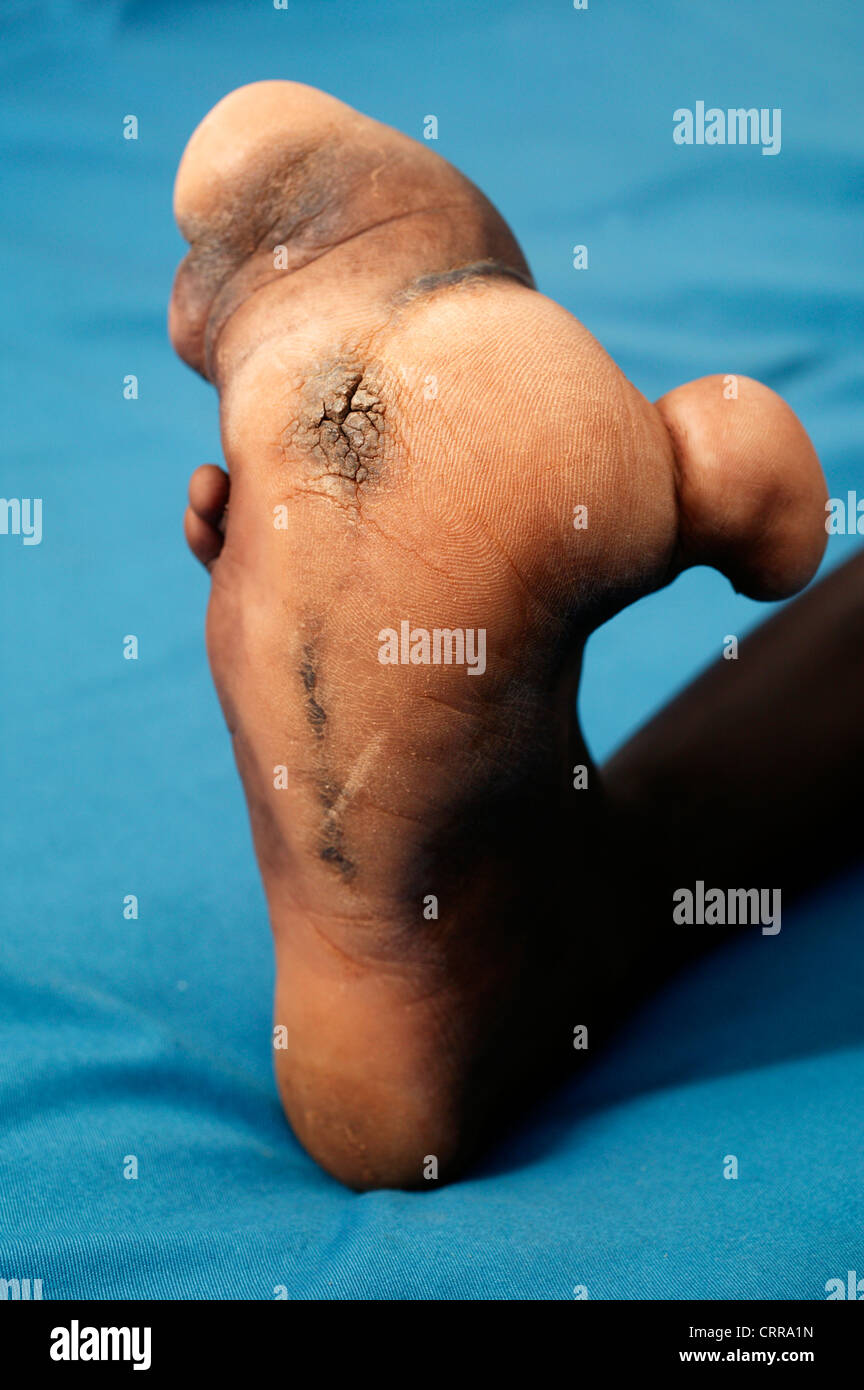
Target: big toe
278 175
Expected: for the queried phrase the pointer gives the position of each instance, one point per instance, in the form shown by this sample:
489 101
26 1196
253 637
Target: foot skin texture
414 435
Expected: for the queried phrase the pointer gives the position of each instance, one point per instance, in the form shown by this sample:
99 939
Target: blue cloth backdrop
151 1038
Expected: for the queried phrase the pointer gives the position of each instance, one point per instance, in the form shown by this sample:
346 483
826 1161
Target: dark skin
413 434
745 771
744 779
737 781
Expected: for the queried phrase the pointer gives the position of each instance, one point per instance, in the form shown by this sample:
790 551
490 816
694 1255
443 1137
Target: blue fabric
152 1037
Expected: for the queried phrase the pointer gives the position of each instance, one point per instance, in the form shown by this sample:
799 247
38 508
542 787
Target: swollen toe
204 521
279 175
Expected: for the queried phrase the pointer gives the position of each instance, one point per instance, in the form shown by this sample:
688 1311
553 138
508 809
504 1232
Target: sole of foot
440 484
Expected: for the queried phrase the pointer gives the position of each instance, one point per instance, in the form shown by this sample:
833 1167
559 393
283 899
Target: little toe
208 492
204 522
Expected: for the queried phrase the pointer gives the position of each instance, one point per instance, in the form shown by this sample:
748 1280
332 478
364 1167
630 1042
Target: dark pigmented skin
471 274
332 847
309 676
340 423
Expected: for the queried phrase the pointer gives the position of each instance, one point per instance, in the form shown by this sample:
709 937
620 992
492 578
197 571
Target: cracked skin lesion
340 422
339 430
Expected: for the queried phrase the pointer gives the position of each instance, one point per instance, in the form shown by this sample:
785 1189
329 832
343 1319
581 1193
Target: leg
750 773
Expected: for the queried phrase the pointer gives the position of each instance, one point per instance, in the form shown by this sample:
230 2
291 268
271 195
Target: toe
208 492
280 166
204 540
750 487
204 521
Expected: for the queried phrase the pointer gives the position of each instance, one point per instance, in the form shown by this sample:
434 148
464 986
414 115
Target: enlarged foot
399 603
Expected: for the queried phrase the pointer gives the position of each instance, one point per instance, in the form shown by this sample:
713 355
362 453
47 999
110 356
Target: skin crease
486 413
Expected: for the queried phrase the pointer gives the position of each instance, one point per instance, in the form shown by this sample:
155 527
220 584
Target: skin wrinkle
473 274
216 327
406 549
262 191
354 780
380 964
530 595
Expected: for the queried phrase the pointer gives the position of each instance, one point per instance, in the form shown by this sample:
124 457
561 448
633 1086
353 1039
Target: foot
411 431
